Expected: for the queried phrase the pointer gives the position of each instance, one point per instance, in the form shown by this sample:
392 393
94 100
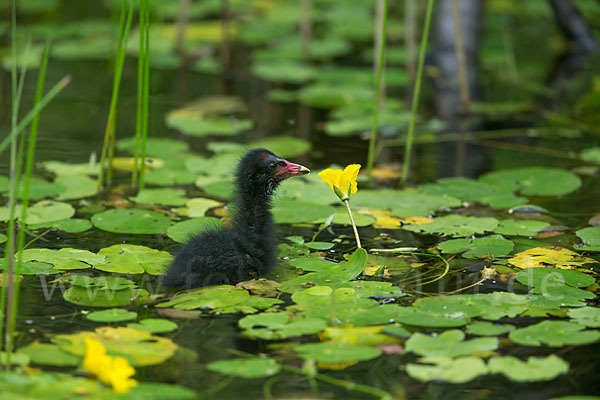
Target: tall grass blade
378 88
146 94
417 90
141 125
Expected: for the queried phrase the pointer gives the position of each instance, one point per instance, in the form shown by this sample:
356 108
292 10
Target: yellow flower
343 183
114 371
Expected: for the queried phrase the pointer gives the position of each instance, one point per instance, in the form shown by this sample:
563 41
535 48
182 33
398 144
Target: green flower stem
353 224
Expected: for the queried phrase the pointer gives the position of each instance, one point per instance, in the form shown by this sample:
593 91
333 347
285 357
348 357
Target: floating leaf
591 155
169 176
283 72
556 287
534 181
449 344
485 328
520 227
102 282
325 95
554 334
112 315
64 169
49 354
363 336
403 203
283 146
102 297
197 207
416 317
199 126
38 188
133 259
587 316
590 237
459 370
63 259
183 231
30 268
489 246
209 297
556 257
456 226
154 325
292 212
155 147
48 211
248 368
534 370
334 353
76 186
168 197
131 220
71 225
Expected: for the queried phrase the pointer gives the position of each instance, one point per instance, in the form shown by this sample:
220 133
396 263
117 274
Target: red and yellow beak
290 169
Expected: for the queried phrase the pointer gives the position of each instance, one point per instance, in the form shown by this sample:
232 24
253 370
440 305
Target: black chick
247 249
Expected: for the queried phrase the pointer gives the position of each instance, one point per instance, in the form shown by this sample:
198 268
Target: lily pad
71 225
38 188
485 328
49 354
556 257
249 368
591 155
167 196
194 126
283 72
590 237
48 211
112 315
449 344
63 259
283 146
335 353
102 297
520 227
456 226
131 220
458 370
133 259
168 176
65 169
209 297
154 325
586 316
533 370
197 207
76 186
287 211
403 203
489 246
556 287
534 181
554 334
155 147
183 231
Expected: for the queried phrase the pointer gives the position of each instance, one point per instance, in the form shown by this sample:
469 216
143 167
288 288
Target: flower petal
331 177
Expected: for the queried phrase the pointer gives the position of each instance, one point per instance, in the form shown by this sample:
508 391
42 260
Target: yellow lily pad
553 256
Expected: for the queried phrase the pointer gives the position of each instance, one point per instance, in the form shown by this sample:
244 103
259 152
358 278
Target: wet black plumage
246 249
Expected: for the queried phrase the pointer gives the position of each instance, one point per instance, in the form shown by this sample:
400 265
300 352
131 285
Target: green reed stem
140 92
353 224
378 86
417 90
109 133
146 94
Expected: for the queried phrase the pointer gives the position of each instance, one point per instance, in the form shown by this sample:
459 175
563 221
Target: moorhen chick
248 247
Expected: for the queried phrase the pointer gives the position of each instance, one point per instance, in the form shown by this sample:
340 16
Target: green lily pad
449 344
554 334
591 155
534 181
209 297
31 268
63 259
416 317
102 297
489 246
458 370
326 95
155 147
71 225
533 370
158 391
48 211
520 227
102 282
590 237
221 189
586 316
197 207
248 368
388 121
49 354
76 186
167 176
194 126
154 325
133 259
287 211
112 315
283 72
556 288
456 226
335 353
64 169
403 203
471 190
296 328
485 328
283 146
183 231
311 263
131 220
166 196
38 188
491 306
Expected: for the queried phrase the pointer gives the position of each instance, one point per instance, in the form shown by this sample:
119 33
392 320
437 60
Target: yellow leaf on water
372 270
385 173
417 220
128 163
363 336
555 256
336 366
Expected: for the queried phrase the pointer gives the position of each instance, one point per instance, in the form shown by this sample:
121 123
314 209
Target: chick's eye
272 165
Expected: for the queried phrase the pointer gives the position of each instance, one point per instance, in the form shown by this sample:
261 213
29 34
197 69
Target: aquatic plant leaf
334 353
221 189
456 226
48 211
49 354
70 225
520 227
166 196
489 306
102 282
389 122
183 231
38 188
295 328
46 385
290 48
112 315
197 207
139 347
489 246
155 147
283 72
31 268
403 203
133 259
590 237
534 181
307 187
63 169
458 370
416 317
397 330
158 391
102 297
533 370
269 320
194 126
76 186
169 176
312 263
89 47
471 190
154 325
208 297
342 218
540 277
286 211
248 368
591 155
362 336
485 328
326 95
554 334
131 220
556 257
449 344
283 146
586 316
220 165
63 259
